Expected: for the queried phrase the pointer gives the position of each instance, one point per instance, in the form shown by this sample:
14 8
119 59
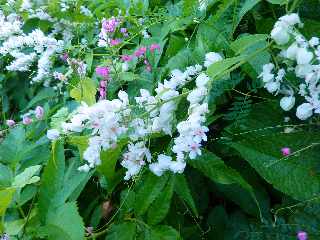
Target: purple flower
39 112
141 51
10 122
103 71
123 30
302 235
285 151
26 120
154 46
126 58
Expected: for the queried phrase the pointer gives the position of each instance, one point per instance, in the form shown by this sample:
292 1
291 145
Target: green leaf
6 196
148 191
296 175
214 168
123 231
14 227
85 91
26 177
42 95
181 187
52 181
65 223
109 160
218 69
249 44
163 232
160 207
280 2
6 176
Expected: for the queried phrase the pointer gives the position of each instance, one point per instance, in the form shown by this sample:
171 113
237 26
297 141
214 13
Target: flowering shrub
187 119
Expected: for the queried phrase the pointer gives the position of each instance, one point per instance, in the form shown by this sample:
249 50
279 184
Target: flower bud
10 123
304 111
286 103
39 112
26 120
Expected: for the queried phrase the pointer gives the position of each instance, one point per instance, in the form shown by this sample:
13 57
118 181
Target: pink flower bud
154 46
102 92
26 120
64 57
103 71
39 112
126 58
285 151
103 84
141 51
149 68
302 235
115 42
10 122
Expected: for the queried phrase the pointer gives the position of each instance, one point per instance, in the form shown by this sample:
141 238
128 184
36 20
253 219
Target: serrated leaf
147 192
65 223
249 44
297 175
181 187
123 231
160 207
163 232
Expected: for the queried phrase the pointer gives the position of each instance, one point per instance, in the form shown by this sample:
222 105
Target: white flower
53 134
211 58
287 103
202 80
304 111
280 35
314 41
304 56
84 168
291 52
272 87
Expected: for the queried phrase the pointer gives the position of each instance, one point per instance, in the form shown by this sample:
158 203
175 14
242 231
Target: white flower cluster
14 42
300 58
112 121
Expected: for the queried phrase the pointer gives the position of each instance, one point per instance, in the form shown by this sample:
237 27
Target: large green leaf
214 168
123 231
85 91
162 232
181 187
65 223
296 175
149 189
160 207
26 177
250 44
52 181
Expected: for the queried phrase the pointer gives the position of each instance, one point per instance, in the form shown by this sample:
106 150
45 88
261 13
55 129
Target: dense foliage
159 119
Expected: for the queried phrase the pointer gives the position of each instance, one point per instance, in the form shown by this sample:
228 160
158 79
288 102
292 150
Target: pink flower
102 92
103 84
126 58
64 57
103 71
149 68
10 122
26 120
39 112
115 42
154 46
302 235
110 24
285 151
141 51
